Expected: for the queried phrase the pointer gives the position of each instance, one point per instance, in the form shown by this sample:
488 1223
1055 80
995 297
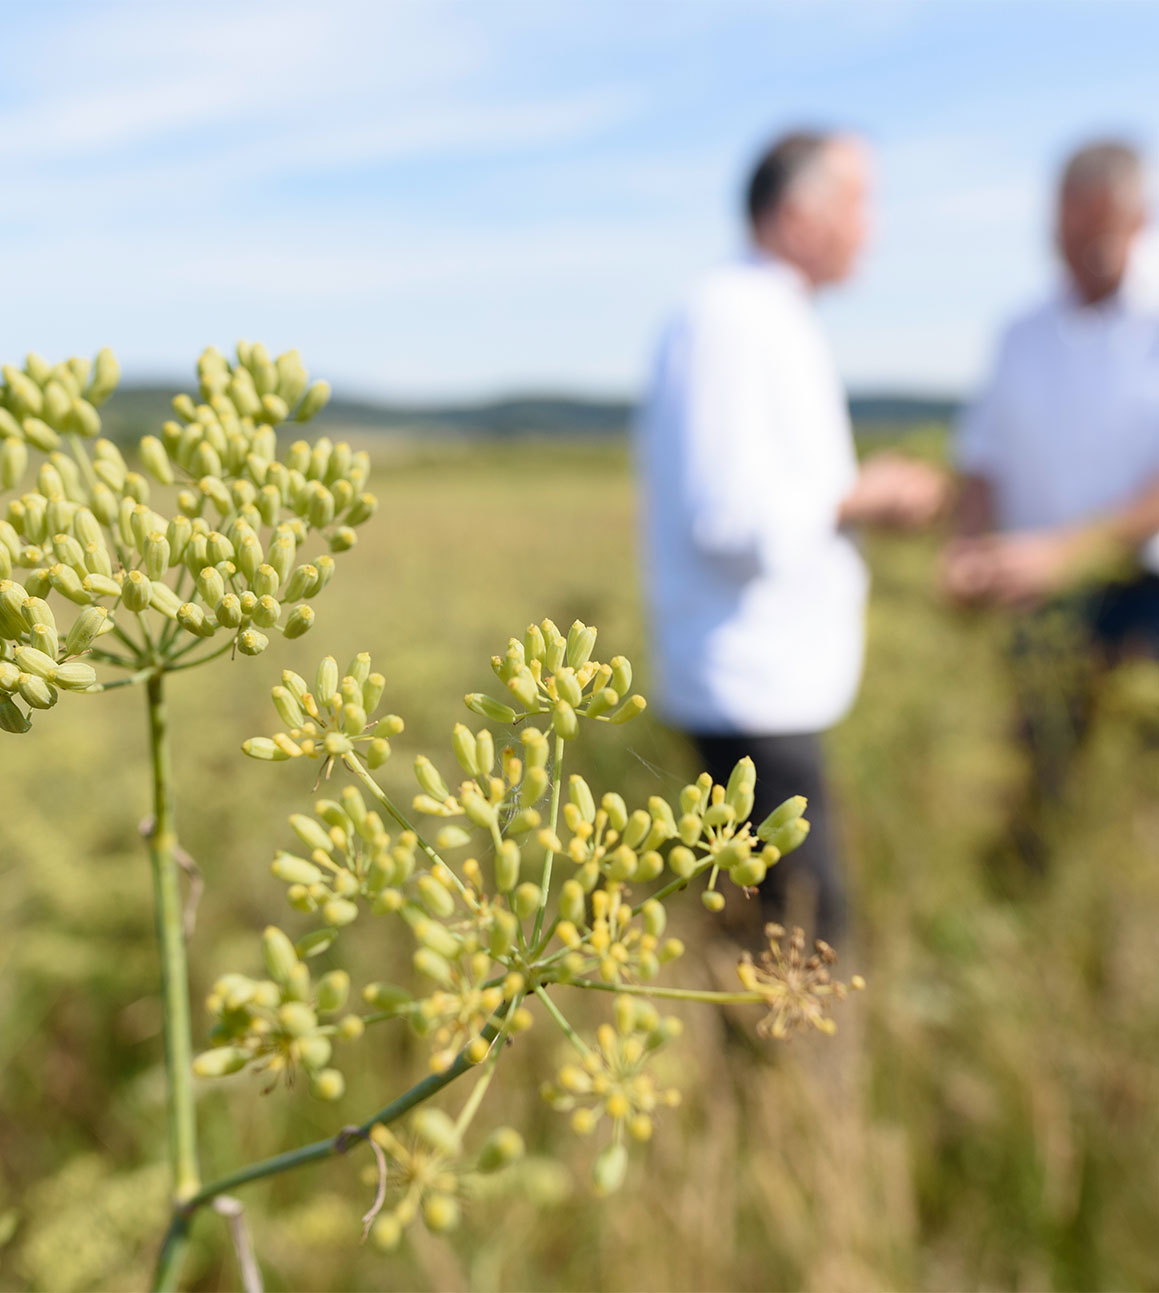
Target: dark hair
780 165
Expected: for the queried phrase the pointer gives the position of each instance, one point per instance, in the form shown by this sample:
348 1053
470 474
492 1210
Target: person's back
746 453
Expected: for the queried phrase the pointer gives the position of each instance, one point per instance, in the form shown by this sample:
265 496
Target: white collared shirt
1068 427
746 452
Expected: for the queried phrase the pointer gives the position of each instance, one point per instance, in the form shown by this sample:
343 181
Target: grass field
987 1118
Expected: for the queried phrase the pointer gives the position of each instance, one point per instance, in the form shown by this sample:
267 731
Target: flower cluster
489 944
795 985
275 1024
86 530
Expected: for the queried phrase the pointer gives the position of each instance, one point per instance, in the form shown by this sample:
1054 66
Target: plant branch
554 1011
671 994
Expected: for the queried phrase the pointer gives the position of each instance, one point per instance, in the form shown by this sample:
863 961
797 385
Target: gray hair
1106 164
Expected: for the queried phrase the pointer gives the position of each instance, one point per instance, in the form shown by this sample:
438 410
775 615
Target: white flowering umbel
490 938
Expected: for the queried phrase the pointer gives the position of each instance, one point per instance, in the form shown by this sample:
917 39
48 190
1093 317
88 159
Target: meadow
987 1117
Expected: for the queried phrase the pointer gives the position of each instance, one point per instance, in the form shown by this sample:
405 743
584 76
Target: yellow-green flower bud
503 1147
273 408
621 674
40 435
13 463
581 795
89 625
452 837
610 1168
279 953
479 810
156 554
163 599
504 932
311 833
572 903
314 400
739 794
261 747
568 687
782 815
252 642
463 744
218 548
106 373
681 861
299 622
101 586
136 591
297 1018
428 778
440 1213
712 900
12 718
265 581
75 676
630 709
789 836
563 720
339 912
749 873
191 618
431 965
83 419
435 1128
526 899
377 752
386 1233
722 814
386 997
302 583
507 866
295 870
435 897
220 1061
156 460
44 638
68 583
228 614
333 989
327 1084
487 707
36 662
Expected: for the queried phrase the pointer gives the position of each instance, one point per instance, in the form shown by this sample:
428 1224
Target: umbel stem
182 1112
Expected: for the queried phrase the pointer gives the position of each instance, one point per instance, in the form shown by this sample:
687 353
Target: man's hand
1019 570
895 491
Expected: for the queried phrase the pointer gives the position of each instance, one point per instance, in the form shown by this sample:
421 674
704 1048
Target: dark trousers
1058 655
805 886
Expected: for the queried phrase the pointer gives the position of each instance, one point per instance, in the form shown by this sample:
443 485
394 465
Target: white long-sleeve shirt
746 452
1067 429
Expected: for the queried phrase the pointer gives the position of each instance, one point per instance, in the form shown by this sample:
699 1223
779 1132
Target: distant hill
136 410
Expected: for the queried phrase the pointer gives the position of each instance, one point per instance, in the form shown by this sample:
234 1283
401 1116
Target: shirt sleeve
979 434
738 492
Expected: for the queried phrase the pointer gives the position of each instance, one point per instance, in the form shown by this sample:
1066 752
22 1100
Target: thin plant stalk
182 1114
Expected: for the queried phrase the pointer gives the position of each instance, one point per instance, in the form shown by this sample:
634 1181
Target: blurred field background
987 1118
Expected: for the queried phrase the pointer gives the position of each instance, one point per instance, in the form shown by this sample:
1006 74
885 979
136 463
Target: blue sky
459 199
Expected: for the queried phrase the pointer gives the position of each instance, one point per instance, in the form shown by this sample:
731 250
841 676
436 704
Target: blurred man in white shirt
1060 457
750 480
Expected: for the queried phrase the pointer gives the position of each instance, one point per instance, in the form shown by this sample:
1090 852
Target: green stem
176 1237
141 675
672 994
171 940
355 764
480 1089
549 857
201 659
554 1011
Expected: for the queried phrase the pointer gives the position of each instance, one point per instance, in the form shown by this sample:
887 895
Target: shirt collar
761 258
